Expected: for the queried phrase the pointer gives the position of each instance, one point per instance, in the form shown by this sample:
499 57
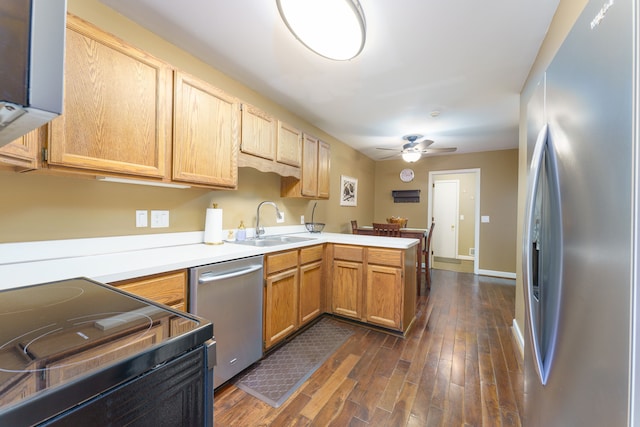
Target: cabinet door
324 170
346 294
206 133
117 106
310 291
289 146
22 154
280 306
310 166
384 296
258 133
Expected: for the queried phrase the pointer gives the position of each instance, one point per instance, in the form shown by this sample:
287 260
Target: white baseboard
502 274
465 257
517 334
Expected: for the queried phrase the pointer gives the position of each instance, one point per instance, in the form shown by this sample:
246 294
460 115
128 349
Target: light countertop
110 259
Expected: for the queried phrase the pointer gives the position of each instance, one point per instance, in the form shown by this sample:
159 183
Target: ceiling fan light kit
411 156
335 29
413 150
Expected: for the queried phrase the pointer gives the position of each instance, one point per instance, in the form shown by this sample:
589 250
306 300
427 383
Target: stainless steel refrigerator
580 241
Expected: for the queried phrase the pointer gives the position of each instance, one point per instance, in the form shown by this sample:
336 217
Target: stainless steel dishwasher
229 294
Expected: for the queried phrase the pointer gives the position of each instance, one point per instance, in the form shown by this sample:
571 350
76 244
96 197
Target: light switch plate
159 219
142 219
485 218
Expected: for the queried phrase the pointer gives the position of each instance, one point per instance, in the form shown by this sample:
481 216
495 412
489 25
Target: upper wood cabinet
117 106
316 167
269 145
23 153
259 132
289 145
206 133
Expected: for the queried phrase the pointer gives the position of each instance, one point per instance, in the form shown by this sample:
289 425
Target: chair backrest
427 247
384 229
354 226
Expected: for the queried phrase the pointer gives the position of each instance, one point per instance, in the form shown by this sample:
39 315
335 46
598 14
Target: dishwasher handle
212 277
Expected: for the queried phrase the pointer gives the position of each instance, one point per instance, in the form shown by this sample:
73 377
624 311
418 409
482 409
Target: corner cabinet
316 167
374 285
205 135
117 107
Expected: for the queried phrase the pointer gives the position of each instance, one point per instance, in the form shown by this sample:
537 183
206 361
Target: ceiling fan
413 150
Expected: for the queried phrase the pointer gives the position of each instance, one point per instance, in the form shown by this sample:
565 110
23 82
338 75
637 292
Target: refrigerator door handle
531 229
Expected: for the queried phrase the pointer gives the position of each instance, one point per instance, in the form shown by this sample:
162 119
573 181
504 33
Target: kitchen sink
273 240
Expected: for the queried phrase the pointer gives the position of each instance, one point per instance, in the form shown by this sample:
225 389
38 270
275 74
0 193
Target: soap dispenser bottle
242 232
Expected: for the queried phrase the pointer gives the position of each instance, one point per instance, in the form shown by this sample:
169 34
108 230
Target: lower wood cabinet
168 288
374 285
293 291
280 296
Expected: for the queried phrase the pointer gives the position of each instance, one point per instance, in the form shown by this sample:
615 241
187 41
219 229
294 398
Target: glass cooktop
56 332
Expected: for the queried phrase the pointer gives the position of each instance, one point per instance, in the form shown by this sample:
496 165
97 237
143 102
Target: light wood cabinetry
23 153
165 288
347 281
289 145
294 291
117 107
384 296
280 296
310 293
374 285
268 144
316 167
206 133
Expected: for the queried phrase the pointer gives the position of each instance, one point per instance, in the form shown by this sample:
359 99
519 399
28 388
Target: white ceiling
467 59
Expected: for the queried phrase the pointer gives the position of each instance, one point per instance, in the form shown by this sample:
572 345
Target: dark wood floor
458 366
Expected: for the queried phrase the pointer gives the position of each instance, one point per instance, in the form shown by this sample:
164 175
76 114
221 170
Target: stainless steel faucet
260 230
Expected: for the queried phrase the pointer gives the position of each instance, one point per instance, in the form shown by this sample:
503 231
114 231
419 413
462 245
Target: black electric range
66 345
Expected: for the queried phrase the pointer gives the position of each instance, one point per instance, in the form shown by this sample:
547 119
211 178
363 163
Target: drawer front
281 261
348 253
165 288
388 257
310 254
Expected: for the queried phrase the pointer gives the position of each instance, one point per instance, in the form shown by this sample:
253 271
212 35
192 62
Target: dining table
409 233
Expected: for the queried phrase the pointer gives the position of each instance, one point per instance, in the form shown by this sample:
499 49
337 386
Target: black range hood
32 37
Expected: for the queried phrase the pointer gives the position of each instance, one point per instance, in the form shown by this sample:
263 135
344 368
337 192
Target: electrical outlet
142 219
159 219
281 219
302 219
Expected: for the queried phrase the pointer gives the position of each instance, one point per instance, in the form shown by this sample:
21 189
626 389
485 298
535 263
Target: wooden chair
427 256
384 229
354 226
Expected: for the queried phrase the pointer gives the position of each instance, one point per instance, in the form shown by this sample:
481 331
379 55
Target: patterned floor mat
277 376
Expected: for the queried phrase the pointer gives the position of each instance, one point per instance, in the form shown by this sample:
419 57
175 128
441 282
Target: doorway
454 202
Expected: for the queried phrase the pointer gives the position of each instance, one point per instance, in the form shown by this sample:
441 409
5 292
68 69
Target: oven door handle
212 277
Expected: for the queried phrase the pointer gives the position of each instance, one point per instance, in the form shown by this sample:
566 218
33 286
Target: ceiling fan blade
424 143
388 149
439 150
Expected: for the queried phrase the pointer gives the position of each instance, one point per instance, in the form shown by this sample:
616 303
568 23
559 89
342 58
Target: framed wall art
348 191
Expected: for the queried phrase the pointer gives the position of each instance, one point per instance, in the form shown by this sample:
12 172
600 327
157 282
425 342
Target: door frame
476 216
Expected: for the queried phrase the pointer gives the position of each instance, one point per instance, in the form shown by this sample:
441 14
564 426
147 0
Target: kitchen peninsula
365 278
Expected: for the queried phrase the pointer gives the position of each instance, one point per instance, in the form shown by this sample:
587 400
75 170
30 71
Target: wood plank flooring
458 366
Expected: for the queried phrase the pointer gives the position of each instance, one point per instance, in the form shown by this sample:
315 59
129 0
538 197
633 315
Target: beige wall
498 199
566 15
39 206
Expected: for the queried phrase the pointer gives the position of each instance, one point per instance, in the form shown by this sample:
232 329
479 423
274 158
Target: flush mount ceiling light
411 156
334 29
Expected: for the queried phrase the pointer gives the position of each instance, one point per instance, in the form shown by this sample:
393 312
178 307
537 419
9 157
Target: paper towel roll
213 227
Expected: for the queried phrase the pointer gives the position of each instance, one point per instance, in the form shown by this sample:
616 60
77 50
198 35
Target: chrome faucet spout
260 230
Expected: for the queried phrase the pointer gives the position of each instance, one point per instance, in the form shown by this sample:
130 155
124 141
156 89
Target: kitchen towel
213 227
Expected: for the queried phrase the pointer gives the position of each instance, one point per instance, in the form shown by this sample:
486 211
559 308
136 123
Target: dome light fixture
411 156
334 29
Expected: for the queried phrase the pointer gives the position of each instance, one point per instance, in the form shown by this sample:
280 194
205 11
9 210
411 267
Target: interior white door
445 215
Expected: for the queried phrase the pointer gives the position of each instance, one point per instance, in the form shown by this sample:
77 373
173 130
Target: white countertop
110 259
